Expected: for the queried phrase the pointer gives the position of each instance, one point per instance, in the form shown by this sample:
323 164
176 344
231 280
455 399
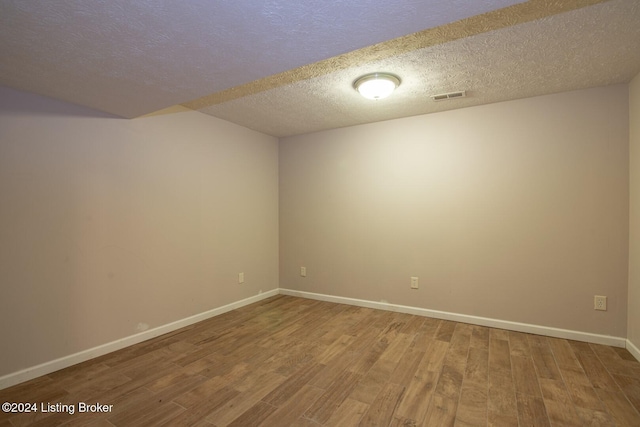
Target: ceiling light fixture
376 85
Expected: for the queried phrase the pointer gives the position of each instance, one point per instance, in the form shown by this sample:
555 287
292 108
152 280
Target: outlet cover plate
600 302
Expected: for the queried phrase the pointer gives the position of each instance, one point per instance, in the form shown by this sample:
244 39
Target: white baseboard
633 350
66 361
73 359
475 320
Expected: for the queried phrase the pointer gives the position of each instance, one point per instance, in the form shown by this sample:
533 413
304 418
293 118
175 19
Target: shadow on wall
22 102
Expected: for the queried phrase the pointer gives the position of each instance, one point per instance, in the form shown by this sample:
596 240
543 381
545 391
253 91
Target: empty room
320 213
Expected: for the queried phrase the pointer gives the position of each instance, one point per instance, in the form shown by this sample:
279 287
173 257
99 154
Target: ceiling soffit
479 24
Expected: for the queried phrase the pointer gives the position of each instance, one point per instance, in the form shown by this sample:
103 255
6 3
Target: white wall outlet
600 302
240 277
303 271
414 283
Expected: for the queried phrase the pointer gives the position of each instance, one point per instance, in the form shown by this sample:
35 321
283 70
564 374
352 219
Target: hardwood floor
294 362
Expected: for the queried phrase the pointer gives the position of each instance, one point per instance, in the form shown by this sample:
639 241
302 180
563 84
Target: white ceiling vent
450 95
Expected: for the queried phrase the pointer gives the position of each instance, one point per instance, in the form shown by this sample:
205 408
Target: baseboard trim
475 320
73 359
633 350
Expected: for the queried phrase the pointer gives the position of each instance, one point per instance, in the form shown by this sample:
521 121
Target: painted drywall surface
514 211
111 226
633 325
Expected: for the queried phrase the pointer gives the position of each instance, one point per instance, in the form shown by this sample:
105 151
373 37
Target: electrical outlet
414 283
303 271
600 302
240 277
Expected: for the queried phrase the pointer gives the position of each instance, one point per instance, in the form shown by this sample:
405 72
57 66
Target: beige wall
633 327
108 225
514 211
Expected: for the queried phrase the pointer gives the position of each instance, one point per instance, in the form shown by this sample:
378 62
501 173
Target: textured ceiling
287 68
588 47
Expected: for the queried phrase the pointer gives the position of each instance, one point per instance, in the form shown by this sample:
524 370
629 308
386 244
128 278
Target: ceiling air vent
450 95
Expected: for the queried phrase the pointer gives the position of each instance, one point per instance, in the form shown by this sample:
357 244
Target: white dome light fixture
376 85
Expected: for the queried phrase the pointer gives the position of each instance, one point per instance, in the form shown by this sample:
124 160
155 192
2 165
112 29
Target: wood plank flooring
289 361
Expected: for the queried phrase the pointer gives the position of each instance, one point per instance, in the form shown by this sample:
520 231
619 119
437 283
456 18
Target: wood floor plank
561 414
381 411
531 411
480 337
307 363
403 374
401 422
524 375
477 369
459 347
293 384
397 347
631 388
445 331
499 357
442 411
332 371
472 407
554 390
595 418
194 415
156 402
501 395
558 404
258 413
619 407
393 327
333 397
349 413
501 420
31 389
286 362
499 334
426 333
121 402
415 404
155 416
582 393
294 408
624 354
413 325
444 403
36 391
303 422
563 354
245 399
335 348
544 360
593 367
473 404
519 344
213 387
378 376
614 363
368 358
420 389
